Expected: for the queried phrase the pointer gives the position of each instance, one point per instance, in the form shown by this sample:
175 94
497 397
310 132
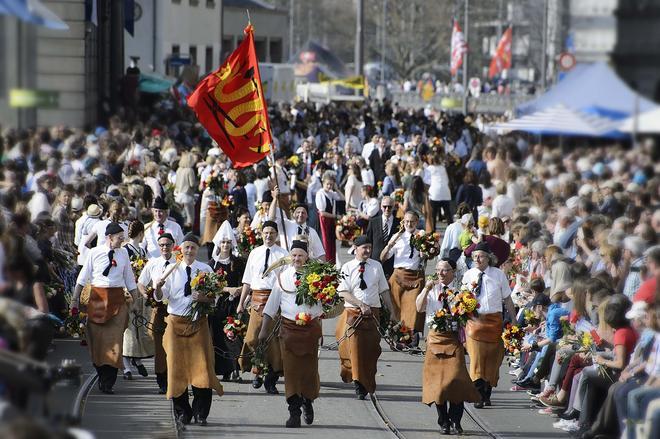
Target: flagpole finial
248 14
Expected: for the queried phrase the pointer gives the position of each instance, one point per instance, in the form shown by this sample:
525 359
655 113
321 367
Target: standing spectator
469 192
184 189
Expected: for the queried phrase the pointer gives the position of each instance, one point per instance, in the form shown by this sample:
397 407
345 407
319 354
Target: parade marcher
258 262
160 225
326 204
154 270
108 270
299 343
380 229
296 227
446 381
362 286
407 279
262 212
226 351
137 342
483 336
188 345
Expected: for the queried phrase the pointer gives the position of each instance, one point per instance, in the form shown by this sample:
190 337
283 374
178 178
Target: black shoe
445 428
458 428
360 391
128 375
162 390
257 382
236 376
226 377
203 423
570 416
106 390
142 370
487 402
269 383
293 421
479 405
308 412
184 419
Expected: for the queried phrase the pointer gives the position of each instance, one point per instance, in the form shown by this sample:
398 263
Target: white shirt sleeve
273 304
320 201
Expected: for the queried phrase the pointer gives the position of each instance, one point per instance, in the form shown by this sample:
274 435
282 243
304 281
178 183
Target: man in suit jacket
376 229
379 156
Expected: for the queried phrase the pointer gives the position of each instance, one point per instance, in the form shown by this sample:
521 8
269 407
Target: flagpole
465 59
279 206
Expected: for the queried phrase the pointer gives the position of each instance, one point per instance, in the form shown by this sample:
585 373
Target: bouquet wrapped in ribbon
248 240
347 228
214 182
512 338
234 328
137 264
206 284
318 284
428 244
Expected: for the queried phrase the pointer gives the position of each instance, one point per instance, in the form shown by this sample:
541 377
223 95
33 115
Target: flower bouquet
293 164
428 244
234 328
442 321
512 338
214 182
249 240
137 264
400 334
53 289
227 201
530 317
318 285
303 318
260 365
210 285
464 306
177 253
74 325
397 195
347 228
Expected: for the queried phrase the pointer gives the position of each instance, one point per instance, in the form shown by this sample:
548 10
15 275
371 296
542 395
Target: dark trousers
107 376
452 414
595 393
440 209
201 404
545 365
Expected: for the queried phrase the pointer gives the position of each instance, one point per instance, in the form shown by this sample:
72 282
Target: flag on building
230 103
458 48
502 58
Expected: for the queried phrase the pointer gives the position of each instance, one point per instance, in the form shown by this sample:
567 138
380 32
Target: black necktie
266 261
111 253
161 229
166 264
480 281
386 229
187 291
412 249
363 284
444 296
300 230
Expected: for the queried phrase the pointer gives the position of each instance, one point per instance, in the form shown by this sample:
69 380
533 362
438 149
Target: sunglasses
386 207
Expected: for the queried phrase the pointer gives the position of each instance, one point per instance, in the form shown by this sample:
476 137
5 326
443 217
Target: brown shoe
551 401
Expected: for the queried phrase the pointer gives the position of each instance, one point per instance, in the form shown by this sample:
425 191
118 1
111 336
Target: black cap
190 237
267 197
159 203
482 247
454 255
166 235
541 299
269 223
362 240
451 262
113 228
299 244
297 205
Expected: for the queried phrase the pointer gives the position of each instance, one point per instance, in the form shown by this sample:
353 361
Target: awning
32 11
647 123
152 83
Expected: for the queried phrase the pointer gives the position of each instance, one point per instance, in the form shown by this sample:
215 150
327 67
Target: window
193 55
175 49
276 51
209 58
176 2
193 2
210 4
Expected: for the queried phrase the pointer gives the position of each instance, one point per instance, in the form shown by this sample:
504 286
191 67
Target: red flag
230 104
502 59
458 48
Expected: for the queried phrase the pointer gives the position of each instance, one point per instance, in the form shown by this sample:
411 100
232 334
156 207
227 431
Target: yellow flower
329 290
313 277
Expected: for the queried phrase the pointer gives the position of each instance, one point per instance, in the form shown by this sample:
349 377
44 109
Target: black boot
443 417
488 389
480 385
360 391
308 411
295 402
269 383
161 380
257 382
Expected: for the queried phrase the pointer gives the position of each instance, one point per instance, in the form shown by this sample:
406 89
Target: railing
453 102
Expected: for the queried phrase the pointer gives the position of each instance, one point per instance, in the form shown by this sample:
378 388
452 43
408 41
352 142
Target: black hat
299 244
190 237
269 223
541 299
113 228
166 235
451 262
297 205
159 203
267 197
482 247
454 255
362 240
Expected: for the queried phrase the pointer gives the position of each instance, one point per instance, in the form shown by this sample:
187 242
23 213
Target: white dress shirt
373 276
322 198
503 206
99 229
258 220
370 207
150 240
120 275
494 288
433 302
450 240
254 268
401 252
285 301
153 270
316 250
86 227
174 287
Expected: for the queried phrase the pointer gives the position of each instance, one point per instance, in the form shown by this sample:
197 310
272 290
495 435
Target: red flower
230 319
161 231
316 284
297 283
327 278
113 263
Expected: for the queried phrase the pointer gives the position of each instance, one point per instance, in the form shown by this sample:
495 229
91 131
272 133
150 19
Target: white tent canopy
561 121
647 123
